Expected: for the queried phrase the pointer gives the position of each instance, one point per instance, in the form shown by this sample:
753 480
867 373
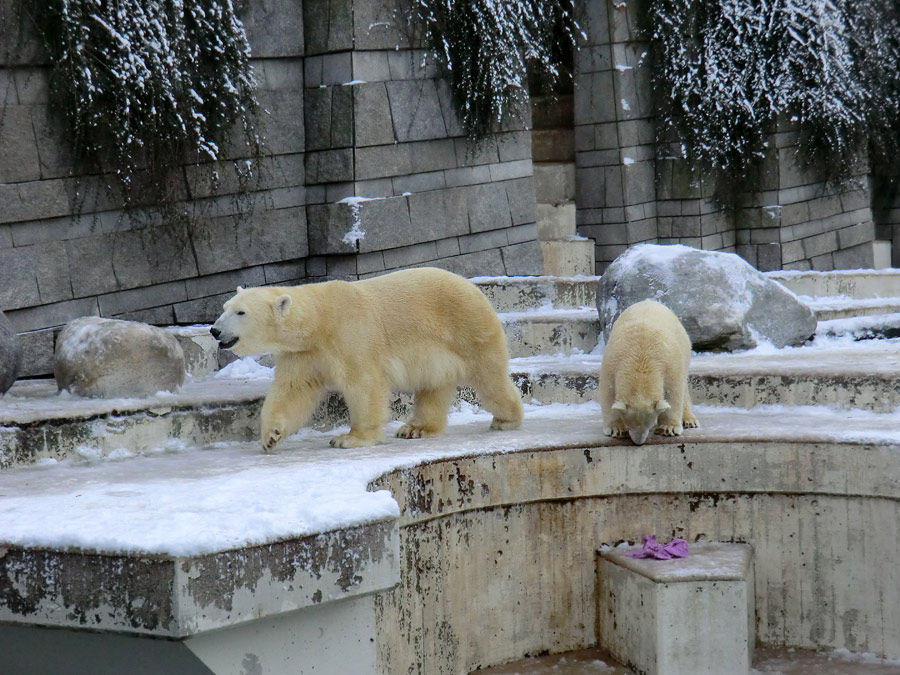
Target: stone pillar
614 132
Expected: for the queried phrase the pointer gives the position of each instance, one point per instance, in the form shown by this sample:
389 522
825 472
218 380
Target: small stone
722 301
10 354
109 358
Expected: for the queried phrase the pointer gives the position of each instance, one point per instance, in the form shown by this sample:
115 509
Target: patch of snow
246 368
627 161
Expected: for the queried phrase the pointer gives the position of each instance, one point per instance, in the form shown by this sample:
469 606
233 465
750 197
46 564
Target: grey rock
110 358
10 354
721 300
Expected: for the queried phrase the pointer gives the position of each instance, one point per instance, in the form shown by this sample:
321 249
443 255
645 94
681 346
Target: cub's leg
430 414
287 408
671 422
499 395
367 400
689 420
612 421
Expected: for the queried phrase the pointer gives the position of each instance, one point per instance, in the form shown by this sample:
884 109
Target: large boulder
723 302
10 354
111 359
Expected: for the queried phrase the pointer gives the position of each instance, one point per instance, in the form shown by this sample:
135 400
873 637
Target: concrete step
828 308
568 257
517 294
851 283
553 145
554 331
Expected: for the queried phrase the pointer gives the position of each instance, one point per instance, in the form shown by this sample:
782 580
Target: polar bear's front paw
690 422
351 441
670 429
413 431
615 431
505 425
270 439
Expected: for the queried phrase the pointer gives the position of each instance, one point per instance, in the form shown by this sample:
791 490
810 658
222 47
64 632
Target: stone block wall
350 109
631 190
391 180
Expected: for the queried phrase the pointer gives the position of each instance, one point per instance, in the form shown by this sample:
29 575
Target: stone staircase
553 335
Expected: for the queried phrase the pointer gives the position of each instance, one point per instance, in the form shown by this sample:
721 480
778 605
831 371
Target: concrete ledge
689 616
177 597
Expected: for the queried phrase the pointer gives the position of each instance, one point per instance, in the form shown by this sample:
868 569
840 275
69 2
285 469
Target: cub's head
252 321
641 419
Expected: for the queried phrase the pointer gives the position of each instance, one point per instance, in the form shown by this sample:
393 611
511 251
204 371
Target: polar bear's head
254 321
640 417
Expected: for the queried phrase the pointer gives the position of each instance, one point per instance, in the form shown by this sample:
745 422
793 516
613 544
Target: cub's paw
351 441
615 431
670 430
505 425
690 422
413 431
270 439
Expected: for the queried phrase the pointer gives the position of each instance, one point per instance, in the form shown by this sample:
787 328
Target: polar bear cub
643 377
423 330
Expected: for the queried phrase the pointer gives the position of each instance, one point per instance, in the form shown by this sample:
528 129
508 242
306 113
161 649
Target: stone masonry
629 190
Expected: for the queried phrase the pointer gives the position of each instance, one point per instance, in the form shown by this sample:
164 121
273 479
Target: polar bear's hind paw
670 430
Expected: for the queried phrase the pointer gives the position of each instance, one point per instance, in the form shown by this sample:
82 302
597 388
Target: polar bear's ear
662 405
618 405
282 305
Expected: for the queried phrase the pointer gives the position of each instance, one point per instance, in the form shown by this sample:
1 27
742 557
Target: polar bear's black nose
215 332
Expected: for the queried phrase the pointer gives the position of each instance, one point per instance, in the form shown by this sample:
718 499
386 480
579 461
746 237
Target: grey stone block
418 182
8 95
32 85
380 25
366 263
201 310
856 234
432 155
483 240
822 263
590 187
488 207
713 242
412 64
222 244
274 28
856 199
792 252
6 240
639 182
37 352
765 235
446 248
473 264
155 316
473 155
371 66
515 145
595 98
522 233
768 257
523 259
595 23
416 110
448 109
378 161
793 214
510 170
330 166
18 148
407 256
328 25
20 287
440 213
467 175
285 273
641 231
52 315
520 194
860 256
337 69
824 207
820 244
686 226
372 115
317 118
282 127
282 73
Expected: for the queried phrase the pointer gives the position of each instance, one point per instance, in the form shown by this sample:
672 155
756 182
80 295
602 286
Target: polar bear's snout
226 341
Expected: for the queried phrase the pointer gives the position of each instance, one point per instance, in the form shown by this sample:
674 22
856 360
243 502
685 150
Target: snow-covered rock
10 354
723 302
111 358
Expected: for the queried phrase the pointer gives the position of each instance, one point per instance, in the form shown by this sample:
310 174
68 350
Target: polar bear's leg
367 401
671 422
689 420
430 414
499 395
287 408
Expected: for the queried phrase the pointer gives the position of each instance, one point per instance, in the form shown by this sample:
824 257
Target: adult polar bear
643 376
421 330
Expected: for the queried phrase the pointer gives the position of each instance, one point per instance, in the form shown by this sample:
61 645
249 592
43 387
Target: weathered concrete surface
853 283
10 354
517 294
557 331
688 616
178 597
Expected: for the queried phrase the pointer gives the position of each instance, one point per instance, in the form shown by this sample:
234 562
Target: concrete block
881 254
595 98
284 124
285 273
274 29
407 256
822 263
861 256
554 182
521 168
555 221
329 166
522 259
483 240
824 207
372 115
439 214
522 233
687 616
447 248
768 257
380 26
418 182
473 264
328 26
379 161
433 155
521 200
820 244
17 146
371 66
411 64
553 145
513 146
415 110
488 207
856 234
566 258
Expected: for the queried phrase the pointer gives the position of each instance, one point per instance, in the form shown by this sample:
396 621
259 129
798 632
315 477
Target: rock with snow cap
10 354
109 358
722 301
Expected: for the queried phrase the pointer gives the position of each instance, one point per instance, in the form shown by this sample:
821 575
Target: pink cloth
677 548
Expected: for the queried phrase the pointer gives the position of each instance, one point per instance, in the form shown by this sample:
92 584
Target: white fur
643 377
424 331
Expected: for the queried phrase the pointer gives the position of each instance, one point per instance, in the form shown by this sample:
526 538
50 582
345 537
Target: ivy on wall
726 70
146 85
490 48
